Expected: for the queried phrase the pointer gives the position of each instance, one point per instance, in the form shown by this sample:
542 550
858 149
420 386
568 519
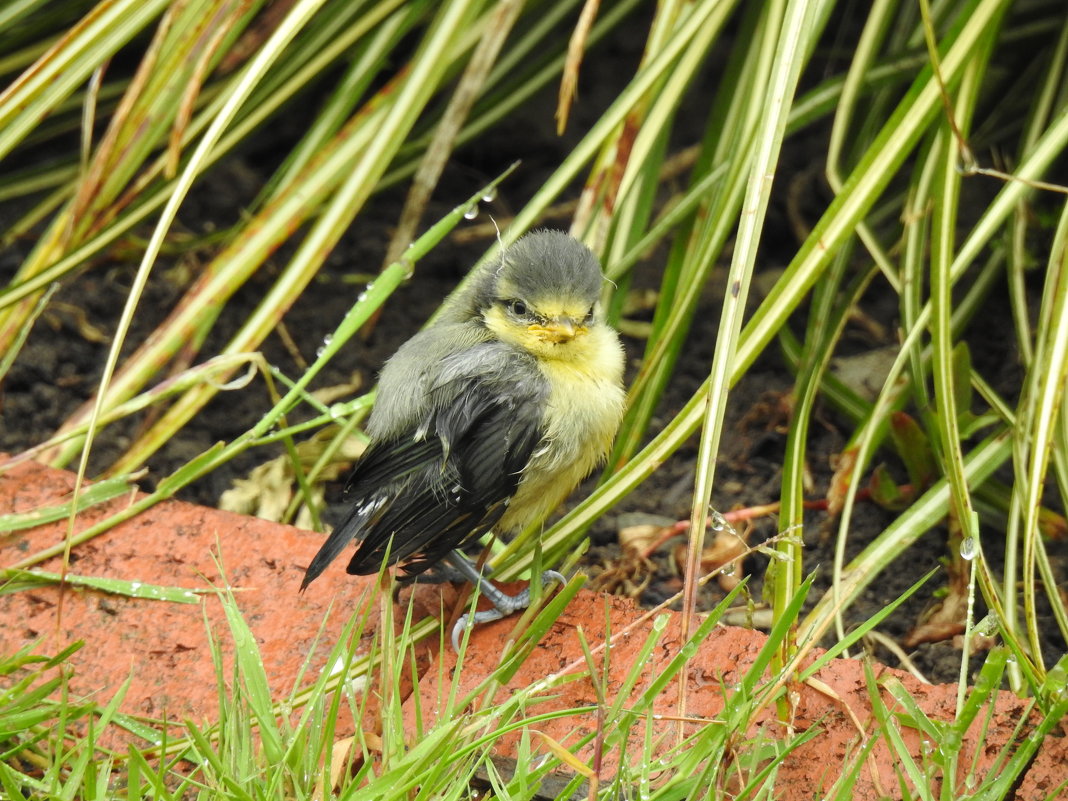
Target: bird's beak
556 330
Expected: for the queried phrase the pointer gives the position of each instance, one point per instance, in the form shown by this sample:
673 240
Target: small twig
892 646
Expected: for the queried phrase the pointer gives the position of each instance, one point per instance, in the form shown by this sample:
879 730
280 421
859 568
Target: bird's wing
448 477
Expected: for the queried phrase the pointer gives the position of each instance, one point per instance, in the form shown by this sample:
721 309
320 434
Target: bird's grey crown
550 264
541 265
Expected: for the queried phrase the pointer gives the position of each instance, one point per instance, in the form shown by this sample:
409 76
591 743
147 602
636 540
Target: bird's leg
503 605
441 573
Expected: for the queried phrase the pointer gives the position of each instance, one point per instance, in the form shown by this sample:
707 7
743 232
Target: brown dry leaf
980 642
265 493
942 621
639 538
269 488
330 394
339 761
843 466
934 630
633 571
727 547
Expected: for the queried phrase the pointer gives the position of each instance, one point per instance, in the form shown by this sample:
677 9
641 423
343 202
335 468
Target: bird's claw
503 606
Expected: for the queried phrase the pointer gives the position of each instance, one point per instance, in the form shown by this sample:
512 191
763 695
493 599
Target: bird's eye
518 308
589 315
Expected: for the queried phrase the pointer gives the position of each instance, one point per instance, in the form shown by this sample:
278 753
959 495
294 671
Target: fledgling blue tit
488 418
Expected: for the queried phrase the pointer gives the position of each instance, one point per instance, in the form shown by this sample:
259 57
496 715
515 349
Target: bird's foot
503 605
441 573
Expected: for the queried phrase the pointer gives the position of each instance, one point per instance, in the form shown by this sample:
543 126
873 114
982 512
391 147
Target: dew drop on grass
968 548
319 351
337 411
490 195
728 569
472 212
135 586
328 339
717 522
988 626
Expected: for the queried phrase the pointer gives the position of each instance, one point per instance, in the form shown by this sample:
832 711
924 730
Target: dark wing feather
417 499
386 466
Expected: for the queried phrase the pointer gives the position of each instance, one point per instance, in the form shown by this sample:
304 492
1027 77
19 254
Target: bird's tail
342 535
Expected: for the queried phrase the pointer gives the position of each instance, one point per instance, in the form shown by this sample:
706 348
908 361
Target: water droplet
489 195
717 522
135 586
328 339
337 411
988 626
319 351
729 569
471 213
969 548
361 297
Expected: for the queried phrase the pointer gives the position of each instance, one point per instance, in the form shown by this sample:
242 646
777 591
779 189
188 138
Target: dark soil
61 364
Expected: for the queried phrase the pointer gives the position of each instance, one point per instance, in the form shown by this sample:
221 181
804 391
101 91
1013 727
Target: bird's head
544 295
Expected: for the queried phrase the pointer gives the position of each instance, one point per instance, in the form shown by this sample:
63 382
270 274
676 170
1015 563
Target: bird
487 419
